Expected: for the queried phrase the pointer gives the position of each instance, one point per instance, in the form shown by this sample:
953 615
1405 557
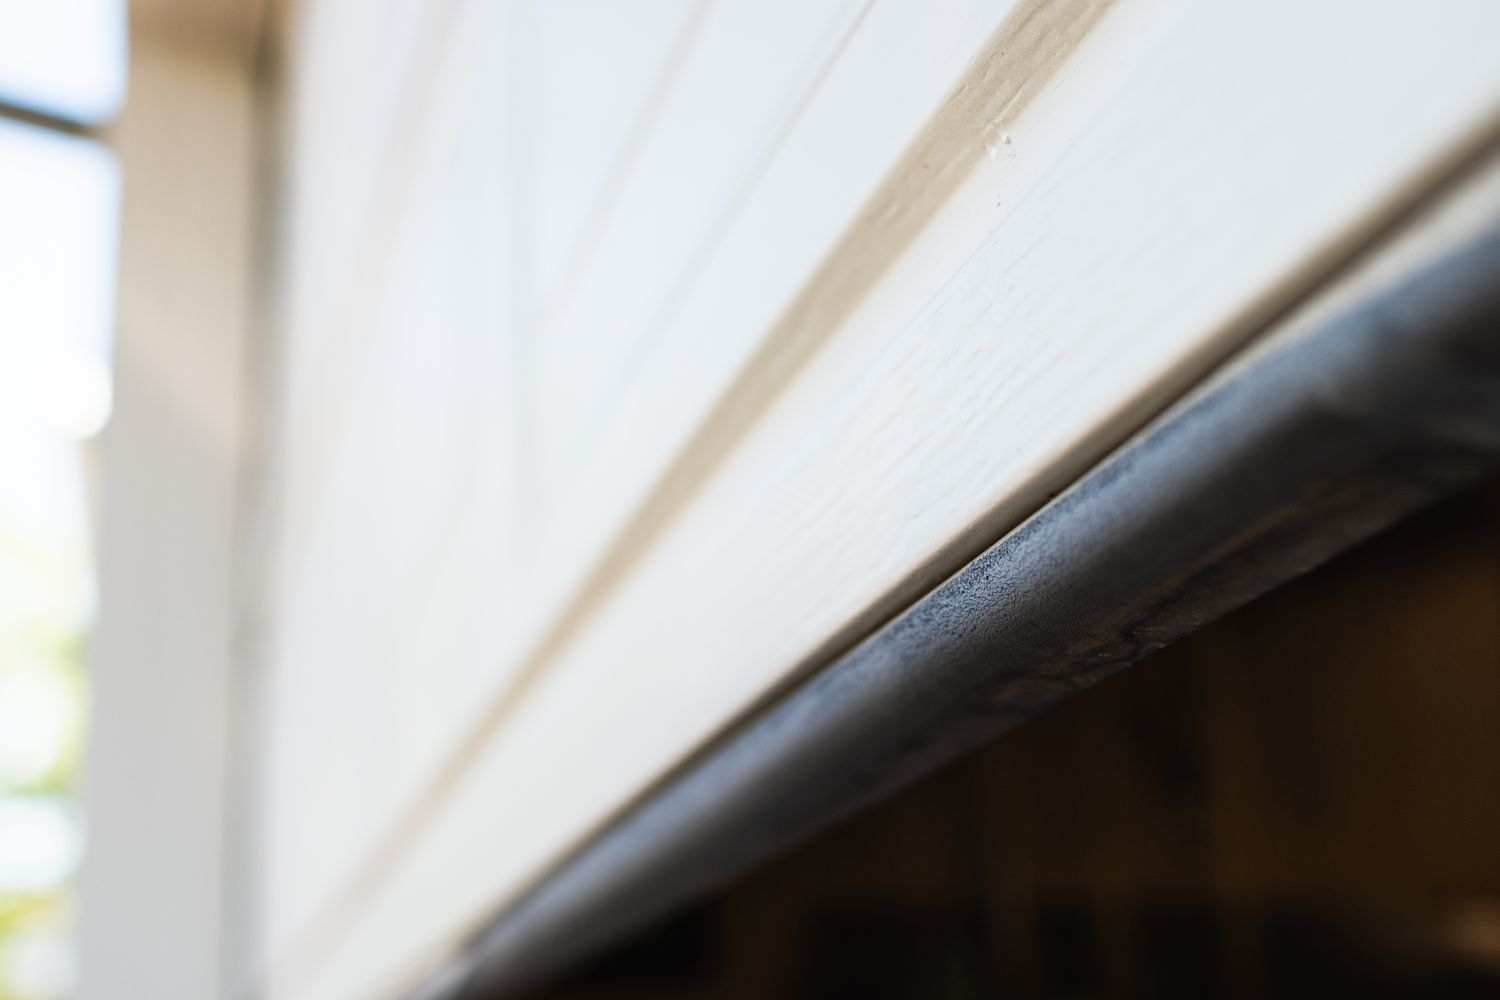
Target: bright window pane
59 206
64 57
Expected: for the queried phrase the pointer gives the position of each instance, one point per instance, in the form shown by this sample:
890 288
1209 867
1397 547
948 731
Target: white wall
635 357
157 775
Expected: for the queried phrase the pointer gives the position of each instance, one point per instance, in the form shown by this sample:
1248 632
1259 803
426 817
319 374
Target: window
59 206
63 58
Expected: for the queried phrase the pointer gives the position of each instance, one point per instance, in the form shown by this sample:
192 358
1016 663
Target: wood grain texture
740 90
393 308
898 68
1374 401
862 378
394 501
1076 279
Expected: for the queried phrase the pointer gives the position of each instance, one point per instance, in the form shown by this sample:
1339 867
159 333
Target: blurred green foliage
43 628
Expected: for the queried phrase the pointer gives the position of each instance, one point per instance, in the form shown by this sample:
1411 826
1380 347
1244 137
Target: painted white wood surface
891 75
741 86
405 601
160 766
585 143
1186 172
395 494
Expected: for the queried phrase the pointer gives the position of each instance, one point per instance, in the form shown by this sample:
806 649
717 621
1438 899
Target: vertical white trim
156 777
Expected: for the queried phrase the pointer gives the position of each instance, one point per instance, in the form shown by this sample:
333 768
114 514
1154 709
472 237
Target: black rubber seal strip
1387 407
